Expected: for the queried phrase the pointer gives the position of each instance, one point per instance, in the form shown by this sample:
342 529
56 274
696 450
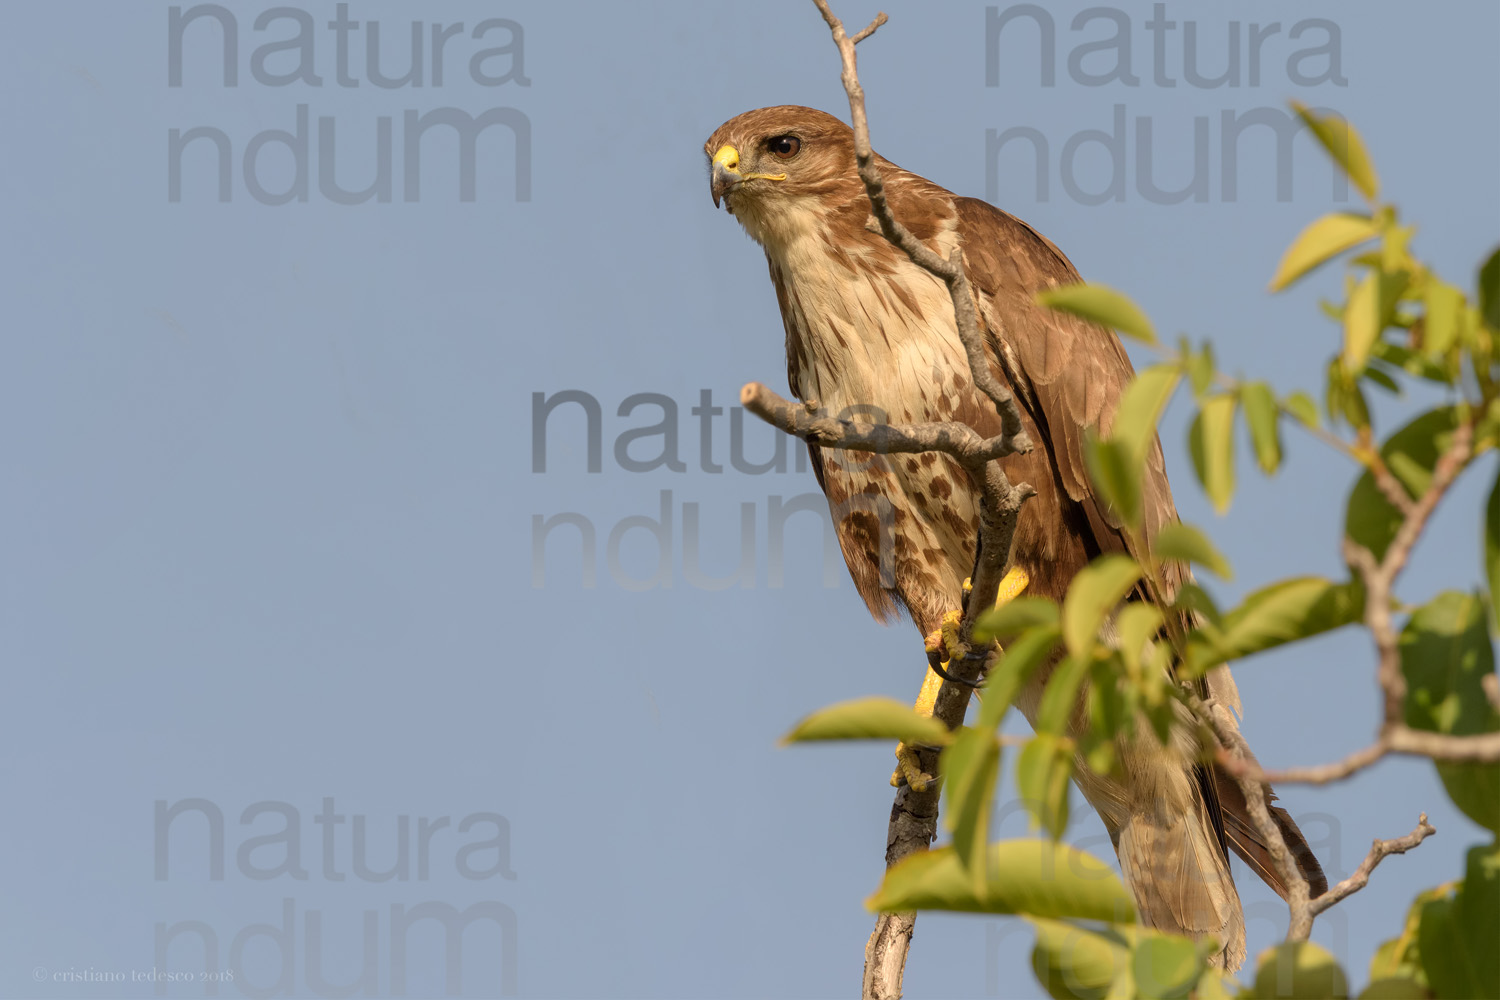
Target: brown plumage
869 333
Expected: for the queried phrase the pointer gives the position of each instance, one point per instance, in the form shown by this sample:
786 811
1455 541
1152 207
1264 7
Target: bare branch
1319 775
1481 748
913 823
1379 851
1260 815
1235 757
1390 487
1453 461
1380 577
959 440
870 28
951 271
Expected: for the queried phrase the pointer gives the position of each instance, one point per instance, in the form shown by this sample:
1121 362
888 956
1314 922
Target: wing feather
1073 370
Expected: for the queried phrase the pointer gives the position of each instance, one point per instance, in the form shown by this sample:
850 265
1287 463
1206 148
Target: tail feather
1180 877
1247 843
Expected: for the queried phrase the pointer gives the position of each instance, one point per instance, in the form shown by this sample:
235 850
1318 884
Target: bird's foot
942 646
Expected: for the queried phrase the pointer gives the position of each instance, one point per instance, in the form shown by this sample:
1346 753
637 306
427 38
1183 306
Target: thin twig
1380 577
1234 755
1379 851
1231 384
869 29
950 270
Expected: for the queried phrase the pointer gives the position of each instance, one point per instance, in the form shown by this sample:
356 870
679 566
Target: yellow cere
727 157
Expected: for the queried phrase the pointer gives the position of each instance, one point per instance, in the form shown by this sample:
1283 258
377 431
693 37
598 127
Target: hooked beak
723 175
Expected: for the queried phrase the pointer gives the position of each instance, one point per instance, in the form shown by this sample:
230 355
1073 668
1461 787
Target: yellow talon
945 639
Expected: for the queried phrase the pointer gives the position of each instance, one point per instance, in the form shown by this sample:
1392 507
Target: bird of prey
870 333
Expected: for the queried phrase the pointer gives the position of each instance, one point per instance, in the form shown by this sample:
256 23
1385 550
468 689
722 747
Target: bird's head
778 168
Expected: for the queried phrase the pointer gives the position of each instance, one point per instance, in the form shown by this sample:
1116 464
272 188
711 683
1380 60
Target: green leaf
1215 984
1014 617
1275 615
1399 958
970 766
1018 662
1445 655
1166 966
1115 477
1141 406
1373 373
1410 454
1092 595
1487 430
1262 418
1211 441
1106 719
1298 971
1200 368
1362 321
1492 548
1440 325
1343 143
1321 241
1137 623
1395 247
1301 406
1457 934
1185 542
1042 774
1409 360
1029 876
1061 695
1394 988
1489 291
1345 398
1191 597
1082 963
869 719
1103 305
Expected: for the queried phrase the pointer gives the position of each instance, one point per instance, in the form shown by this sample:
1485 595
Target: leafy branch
1134 668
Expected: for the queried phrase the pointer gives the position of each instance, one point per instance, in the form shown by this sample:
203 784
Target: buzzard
870 333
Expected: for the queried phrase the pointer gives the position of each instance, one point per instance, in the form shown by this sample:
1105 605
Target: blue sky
270 534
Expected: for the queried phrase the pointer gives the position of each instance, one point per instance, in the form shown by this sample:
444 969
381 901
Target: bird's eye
784 146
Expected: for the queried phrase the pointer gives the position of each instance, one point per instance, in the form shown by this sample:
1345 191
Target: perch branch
959 440
913 822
